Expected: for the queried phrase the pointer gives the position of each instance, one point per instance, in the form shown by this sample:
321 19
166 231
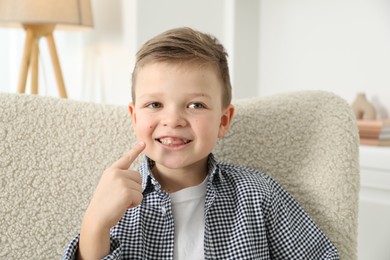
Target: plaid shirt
247 216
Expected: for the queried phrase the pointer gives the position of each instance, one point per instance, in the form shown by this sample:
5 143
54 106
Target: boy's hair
185 45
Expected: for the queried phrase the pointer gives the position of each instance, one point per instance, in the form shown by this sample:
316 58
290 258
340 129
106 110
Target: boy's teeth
166 141
173 141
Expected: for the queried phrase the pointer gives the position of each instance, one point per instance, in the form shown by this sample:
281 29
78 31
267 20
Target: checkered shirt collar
149 182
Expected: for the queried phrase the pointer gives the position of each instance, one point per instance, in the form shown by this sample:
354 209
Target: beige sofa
52 152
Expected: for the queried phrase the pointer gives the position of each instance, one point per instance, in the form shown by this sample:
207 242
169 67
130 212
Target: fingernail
141 143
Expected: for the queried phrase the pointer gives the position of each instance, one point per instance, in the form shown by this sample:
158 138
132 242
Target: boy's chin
178 162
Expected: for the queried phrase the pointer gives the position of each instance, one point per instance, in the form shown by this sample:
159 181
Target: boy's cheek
143 131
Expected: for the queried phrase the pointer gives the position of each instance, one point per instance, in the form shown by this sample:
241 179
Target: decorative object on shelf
40 18
362 108
374 132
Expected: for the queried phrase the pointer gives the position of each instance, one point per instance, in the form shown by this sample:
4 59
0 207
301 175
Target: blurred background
342 46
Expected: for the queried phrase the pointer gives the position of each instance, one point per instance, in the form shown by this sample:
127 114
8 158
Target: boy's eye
154 105
196 105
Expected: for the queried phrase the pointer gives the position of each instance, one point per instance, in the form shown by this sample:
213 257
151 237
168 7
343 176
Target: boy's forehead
195 80
187 70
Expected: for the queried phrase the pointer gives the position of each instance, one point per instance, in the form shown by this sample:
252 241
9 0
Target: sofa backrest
53 151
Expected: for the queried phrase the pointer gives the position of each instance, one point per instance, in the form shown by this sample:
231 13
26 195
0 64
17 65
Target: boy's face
178 113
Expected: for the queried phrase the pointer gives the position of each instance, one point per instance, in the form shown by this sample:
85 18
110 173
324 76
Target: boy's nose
174 119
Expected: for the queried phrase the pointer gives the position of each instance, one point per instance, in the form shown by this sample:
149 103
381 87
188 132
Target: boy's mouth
173 141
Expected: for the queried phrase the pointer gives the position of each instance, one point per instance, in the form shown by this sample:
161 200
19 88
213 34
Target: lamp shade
59 12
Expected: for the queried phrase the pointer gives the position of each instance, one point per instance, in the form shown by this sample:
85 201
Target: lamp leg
34 66
56 65
25 61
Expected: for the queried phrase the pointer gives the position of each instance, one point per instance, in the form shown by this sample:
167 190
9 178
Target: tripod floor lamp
40 18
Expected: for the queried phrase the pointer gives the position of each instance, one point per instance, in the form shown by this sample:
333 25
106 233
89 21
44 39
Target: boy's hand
119 189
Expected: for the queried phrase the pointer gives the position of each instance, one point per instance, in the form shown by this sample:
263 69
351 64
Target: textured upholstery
53 151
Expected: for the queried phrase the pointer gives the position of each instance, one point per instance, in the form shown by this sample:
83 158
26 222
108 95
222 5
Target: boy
183 204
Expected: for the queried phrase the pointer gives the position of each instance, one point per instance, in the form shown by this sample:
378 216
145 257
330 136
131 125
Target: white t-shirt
188 216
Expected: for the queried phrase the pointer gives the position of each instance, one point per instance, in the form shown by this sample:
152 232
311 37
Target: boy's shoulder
255 185
246 185
244 175
238 170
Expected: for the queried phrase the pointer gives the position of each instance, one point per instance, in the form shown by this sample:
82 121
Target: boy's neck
172 180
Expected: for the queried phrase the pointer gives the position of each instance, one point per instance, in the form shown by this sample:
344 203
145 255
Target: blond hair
185 45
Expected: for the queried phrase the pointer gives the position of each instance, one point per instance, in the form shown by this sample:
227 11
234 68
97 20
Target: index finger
127 159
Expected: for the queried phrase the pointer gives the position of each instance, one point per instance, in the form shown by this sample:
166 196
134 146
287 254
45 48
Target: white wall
338 45
274 46
109 52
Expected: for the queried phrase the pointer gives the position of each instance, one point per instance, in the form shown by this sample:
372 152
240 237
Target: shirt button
163 210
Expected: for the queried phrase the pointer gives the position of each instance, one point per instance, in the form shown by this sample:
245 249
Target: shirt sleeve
72 248
292 233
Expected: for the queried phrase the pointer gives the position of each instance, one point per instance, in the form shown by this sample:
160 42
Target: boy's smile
173 142
178 113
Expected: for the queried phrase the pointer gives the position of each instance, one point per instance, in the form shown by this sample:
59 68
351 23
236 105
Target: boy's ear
132 112
226 119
